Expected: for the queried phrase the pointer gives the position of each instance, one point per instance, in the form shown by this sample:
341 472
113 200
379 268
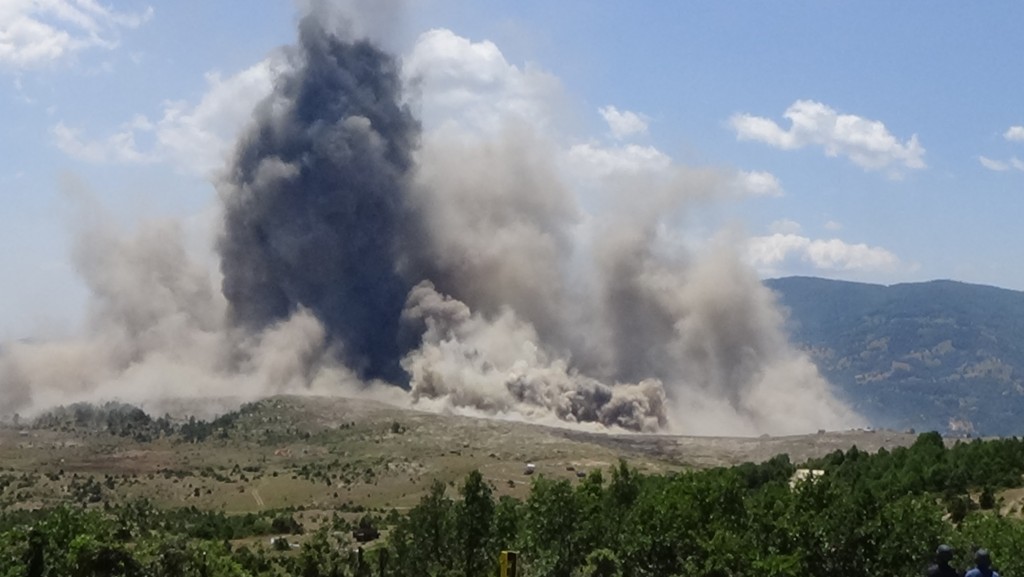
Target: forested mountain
939 355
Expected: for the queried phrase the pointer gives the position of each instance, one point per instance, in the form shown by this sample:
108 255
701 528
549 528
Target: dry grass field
328 454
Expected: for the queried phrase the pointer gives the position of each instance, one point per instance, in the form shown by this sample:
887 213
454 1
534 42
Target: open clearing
344 454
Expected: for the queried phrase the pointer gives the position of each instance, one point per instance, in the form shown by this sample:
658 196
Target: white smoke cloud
739 375
500 366
591 160
628 317
157 332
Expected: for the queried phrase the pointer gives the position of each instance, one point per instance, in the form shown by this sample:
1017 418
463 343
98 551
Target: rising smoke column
458 266
314 201
466 267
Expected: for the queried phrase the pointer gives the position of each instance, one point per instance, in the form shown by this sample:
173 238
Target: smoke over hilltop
315 199
357 249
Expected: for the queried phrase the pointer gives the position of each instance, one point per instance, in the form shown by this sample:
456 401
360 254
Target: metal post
508 561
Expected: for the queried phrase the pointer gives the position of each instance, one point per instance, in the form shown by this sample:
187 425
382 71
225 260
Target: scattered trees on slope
869 514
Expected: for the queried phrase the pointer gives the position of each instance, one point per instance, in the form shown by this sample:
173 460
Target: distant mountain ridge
940 355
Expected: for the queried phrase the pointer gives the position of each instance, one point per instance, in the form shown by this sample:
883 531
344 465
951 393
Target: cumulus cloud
623 123
1002 165
118 147
35 33
867 143
470 86
758 183
192 137
996 165
773 252
1014 133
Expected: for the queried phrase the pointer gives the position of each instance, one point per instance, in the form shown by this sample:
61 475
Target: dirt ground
330 453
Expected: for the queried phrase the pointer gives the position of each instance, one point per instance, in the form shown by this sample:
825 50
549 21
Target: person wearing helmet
982 565
942 567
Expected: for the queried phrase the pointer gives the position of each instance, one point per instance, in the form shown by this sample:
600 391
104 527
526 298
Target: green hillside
937 355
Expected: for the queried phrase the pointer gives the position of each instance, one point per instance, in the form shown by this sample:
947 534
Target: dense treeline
741 521
129 421
868 514
139 540
929 466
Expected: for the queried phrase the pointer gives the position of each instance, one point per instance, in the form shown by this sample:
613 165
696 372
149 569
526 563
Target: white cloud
623 123
1014 133
470 86
758 183
774 252
990 164
867 143
193 138
34 33
1002 165
833 225
197 137
119 147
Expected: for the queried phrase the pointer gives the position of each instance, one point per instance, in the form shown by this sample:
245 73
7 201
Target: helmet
982 558
944 553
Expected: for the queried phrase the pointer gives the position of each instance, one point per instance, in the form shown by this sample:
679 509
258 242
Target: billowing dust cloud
360 255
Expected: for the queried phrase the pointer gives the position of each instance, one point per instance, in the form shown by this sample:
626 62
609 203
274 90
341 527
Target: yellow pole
507 562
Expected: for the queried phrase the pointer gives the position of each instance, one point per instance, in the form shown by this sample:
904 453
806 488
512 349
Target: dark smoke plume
314 201
467 268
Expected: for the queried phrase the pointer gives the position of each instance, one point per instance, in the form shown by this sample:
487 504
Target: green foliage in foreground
869 514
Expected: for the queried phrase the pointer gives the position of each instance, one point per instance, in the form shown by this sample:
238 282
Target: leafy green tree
601 563
474 517
320 558
506 525
422 543
550 528
987 499
87 556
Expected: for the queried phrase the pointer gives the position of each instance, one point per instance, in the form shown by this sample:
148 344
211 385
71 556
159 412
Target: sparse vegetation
81 499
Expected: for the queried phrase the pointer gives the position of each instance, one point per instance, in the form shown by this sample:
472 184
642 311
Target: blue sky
875 141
